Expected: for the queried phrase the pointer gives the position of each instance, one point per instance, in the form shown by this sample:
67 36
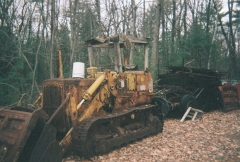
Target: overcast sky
225 6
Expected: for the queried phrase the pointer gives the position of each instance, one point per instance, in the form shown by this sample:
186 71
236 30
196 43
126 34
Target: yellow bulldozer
87 115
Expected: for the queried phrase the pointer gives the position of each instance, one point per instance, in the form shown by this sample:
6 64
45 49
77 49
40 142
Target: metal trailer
185 87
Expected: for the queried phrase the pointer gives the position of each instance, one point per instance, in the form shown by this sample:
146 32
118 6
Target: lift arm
109 87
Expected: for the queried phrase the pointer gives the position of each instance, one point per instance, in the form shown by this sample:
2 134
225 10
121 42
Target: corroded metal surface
124 41
134 88
130 91
55 91
15 129
230 96
99 135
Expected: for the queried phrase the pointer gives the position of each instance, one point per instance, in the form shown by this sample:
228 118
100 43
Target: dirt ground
214 137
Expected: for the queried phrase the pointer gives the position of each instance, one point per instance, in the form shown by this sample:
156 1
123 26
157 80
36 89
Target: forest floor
213 137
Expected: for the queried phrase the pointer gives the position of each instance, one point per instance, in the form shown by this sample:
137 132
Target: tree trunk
52 37
73 10
213 39
143 20
98 9
207 33
156 35
160 59
134 10
173 31
185 20
232 52
230 41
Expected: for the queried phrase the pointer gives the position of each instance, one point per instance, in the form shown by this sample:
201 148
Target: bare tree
73 24
4 8
185 19
53 32
143 19
156 34
229 41
134 17
173 28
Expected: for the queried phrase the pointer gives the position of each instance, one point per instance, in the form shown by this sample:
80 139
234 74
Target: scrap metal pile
230 96
204 84
191 78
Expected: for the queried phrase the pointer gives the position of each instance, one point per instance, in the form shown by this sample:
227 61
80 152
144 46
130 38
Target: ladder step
197 110
194 116
191 113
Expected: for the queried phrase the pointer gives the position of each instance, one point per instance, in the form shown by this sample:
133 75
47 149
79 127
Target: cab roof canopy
119 41
123 40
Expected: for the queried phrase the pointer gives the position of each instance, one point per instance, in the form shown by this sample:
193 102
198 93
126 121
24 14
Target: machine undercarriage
100 135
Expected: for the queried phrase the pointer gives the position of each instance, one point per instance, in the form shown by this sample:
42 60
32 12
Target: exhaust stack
59 64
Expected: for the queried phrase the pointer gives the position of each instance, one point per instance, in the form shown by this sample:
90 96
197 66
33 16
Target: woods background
205 33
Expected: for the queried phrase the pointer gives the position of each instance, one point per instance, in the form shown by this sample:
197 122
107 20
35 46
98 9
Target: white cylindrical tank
78 70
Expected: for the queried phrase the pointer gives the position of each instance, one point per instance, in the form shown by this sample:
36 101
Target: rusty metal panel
131 81
53 95
55 91
139 89
142 82
238 91
230 97
139 80
15 128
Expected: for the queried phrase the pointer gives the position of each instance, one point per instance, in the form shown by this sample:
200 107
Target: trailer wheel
187 101
163 104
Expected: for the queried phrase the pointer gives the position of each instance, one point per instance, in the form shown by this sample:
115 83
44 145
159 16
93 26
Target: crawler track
100 135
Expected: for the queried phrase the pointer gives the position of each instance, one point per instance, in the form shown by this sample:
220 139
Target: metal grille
52 95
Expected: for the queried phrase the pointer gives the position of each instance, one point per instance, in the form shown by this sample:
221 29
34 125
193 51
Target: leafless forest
205 33
193 33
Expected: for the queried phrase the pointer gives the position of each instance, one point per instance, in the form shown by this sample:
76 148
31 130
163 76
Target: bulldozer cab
123 60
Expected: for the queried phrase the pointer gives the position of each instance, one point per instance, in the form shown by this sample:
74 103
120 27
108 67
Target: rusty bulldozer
87 115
